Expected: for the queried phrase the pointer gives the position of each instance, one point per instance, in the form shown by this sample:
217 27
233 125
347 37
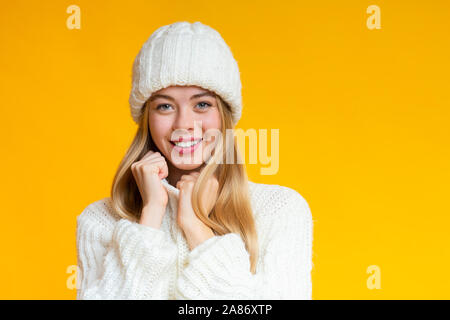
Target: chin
186 167
187 161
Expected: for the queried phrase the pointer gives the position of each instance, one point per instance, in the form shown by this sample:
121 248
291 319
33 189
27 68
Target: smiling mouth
186 144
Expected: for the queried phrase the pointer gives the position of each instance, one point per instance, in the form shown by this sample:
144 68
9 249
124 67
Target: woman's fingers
147 173
186 180
153 159
187 177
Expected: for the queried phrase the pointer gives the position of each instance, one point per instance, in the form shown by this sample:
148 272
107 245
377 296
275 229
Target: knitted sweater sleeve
219 268
120 259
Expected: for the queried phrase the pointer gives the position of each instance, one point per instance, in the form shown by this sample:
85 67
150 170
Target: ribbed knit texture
119 259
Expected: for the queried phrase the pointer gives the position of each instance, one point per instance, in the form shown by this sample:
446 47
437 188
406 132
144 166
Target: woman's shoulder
272 199
99 214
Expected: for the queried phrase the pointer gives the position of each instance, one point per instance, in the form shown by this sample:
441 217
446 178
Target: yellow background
363 118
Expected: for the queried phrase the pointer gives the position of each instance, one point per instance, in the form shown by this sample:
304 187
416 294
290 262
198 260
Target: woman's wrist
152 216
195 235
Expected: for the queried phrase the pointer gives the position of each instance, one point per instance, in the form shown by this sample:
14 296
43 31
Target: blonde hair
232 212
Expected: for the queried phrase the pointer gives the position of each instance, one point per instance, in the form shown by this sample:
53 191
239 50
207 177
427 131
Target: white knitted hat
184 53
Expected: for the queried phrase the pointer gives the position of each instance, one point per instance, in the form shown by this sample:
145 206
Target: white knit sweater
120 259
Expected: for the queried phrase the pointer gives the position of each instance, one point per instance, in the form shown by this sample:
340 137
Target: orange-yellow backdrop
363 118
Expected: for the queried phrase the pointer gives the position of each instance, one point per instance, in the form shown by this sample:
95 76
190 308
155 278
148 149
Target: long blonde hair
232 212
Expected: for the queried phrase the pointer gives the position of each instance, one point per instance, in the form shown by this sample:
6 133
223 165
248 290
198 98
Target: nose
186 120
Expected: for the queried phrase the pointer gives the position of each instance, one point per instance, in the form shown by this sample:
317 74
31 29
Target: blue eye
162 105
202 106
205 107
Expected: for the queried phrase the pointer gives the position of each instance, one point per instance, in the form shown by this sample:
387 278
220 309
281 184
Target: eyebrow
195 96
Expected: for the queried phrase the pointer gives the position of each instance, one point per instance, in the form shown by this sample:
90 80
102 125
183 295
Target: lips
186 139
184 147
186 144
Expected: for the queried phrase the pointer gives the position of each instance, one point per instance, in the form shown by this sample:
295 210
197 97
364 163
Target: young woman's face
184 113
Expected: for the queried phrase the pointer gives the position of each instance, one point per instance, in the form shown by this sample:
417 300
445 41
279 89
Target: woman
182 221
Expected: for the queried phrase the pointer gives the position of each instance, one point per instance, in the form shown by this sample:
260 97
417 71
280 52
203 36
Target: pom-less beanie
185 54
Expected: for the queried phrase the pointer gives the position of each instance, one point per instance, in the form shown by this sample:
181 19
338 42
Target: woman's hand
148 173
195 230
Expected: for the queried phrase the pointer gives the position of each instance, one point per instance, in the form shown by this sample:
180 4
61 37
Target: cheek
212 121
159 127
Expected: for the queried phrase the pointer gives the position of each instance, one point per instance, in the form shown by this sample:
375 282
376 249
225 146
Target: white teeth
186 144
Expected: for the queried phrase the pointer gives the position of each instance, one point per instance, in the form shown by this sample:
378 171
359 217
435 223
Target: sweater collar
176 192
172 191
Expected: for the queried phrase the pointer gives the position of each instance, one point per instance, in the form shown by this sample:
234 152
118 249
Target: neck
176 173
